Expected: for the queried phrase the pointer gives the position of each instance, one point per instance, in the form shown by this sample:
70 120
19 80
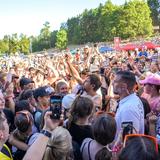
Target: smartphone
56 106
102 71
127 128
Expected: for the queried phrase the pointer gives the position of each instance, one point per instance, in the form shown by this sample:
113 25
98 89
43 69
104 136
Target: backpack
37 118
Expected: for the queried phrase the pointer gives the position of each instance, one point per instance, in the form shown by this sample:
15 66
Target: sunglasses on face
132 136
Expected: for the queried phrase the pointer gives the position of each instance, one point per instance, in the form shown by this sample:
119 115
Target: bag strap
89 154
88 148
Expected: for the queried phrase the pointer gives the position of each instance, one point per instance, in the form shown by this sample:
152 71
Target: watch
46 133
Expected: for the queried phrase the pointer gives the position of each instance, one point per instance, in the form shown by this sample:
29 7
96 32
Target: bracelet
46 133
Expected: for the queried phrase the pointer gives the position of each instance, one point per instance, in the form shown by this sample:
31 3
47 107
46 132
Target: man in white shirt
130 108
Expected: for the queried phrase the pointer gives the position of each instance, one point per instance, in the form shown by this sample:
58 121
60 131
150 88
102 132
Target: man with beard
130 109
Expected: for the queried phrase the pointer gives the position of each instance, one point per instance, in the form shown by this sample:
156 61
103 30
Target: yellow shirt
5 153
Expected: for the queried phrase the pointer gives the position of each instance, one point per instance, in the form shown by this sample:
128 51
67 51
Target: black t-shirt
80 132
10 118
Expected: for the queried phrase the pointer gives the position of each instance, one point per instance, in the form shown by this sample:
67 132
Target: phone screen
127 128
56 106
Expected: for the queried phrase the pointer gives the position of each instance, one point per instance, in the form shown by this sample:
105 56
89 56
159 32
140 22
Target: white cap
68 100
94 68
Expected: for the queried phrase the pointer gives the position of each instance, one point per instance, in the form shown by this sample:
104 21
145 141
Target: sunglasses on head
132 136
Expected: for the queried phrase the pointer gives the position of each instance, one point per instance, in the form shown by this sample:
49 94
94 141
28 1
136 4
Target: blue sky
28 16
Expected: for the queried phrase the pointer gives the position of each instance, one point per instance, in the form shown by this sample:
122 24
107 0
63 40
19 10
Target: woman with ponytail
78 124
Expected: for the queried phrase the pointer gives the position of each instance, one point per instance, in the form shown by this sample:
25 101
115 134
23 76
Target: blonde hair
59 84
59 146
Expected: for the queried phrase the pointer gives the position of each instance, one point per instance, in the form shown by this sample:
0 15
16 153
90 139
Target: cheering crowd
82 106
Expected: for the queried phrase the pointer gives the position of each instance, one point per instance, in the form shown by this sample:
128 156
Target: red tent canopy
128 47
149 45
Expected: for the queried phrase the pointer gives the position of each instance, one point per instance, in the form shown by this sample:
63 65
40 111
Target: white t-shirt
130 110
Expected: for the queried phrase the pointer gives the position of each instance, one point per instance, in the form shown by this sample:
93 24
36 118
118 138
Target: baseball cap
151 79
41 92
94 68
24 81
68 100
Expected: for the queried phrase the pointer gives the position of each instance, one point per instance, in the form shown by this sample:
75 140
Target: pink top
154 102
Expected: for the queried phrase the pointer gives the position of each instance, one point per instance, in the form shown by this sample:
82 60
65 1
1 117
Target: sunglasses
151 138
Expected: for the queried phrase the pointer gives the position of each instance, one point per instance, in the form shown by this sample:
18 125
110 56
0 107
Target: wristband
46 133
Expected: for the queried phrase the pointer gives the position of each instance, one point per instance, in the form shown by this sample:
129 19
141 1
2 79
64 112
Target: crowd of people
86 106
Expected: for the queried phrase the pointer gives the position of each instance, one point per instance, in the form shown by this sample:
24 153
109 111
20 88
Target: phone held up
56 106
127 128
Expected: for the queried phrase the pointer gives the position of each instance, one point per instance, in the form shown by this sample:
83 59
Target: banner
117 41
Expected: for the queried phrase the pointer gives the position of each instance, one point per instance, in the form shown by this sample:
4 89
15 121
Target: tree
61 42
44 37
154 7
53 38
4 44
24 44
13 44
73 30
134 20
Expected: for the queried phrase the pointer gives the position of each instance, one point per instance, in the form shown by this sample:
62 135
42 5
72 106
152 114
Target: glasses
26 113
151 138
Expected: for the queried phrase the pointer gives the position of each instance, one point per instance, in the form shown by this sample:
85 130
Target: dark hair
127 77
22 105
103 154
139 148
104 129
26 94
95 80
23 121
95 45
81 108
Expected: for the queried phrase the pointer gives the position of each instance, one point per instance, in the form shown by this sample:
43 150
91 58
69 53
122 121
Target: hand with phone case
127 128
56 106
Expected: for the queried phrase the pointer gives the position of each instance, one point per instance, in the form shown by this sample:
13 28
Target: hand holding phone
56 106
127 128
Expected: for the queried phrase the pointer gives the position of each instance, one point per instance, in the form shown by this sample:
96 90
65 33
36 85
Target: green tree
13 44
108 20
24 44
61 42
53 38
73 30
154 7
44 37
4 44
134 20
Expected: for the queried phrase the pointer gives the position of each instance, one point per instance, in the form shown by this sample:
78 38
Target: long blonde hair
59 146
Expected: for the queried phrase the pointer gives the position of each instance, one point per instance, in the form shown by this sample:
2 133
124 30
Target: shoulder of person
85 142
